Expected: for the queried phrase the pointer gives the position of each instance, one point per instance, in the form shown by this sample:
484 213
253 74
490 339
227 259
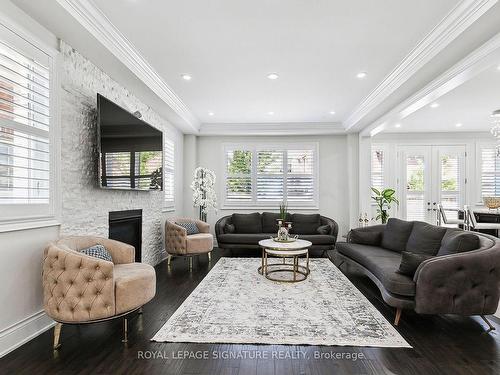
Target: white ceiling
317 48
469 104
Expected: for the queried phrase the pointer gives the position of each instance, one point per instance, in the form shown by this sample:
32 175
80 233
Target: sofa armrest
334 227
202 226
77 287
175 238
465 283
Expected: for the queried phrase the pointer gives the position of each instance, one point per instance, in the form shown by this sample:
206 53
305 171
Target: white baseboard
23 331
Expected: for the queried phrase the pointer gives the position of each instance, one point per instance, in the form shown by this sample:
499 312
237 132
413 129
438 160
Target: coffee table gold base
299 272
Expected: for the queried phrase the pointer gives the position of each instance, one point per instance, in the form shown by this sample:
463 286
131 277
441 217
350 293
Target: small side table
291 250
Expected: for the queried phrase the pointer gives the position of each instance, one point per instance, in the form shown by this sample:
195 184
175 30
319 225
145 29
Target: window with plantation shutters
260 175
377 168
169 172
25 125
490 171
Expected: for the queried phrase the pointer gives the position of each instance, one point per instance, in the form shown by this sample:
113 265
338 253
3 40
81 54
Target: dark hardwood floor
441 344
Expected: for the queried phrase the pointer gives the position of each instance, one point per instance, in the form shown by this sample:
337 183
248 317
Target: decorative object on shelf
366 221
493 203
495 130
384 198
204 195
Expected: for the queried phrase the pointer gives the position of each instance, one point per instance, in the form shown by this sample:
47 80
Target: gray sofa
461 274
244 231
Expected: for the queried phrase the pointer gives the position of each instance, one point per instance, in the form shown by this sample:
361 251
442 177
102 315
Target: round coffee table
293 250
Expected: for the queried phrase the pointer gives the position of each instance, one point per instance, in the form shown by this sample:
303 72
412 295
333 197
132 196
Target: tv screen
131 151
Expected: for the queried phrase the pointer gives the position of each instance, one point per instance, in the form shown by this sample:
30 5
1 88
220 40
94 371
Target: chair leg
125 330
491 328
57 335
169 259
191 263
399 310
209 256
140 310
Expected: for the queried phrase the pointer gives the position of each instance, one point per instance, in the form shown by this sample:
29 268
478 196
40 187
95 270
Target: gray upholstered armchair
179 243
79 289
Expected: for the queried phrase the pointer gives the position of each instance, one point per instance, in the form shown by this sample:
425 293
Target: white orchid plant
204 195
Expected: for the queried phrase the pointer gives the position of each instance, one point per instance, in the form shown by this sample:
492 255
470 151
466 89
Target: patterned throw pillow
190 227
98 251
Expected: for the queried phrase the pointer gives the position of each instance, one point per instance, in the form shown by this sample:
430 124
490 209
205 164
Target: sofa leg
399 310
491 328
57 335
125 330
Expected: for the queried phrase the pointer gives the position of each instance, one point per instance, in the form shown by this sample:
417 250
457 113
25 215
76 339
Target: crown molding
484 57
458 20
270 129
99 26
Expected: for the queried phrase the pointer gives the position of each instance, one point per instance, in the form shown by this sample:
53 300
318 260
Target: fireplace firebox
126 226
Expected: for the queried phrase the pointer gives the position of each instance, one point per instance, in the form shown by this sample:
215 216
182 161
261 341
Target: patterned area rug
235 304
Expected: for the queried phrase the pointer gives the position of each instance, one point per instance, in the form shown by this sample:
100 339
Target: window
25 126
377 167
490 170
169 186
265 175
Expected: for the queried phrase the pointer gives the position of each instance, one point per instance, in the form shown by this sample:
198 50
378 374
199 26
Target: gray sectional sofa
244 231
430 269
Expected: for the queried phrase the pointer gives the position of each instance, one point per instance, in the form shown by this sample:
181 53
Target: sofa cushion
425 238
365 237
324 229
457 242
229 228
396 234
306 223
135 285
247 223
318 239
199 243
270 221
382 263
243 238
410 262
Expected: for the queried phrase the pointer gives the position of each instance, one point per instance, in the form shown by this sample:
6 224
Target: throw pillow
229 228
247 223
324 229
97 251
425 238
410 262
191 227
365 237
306 223
396 234
458 242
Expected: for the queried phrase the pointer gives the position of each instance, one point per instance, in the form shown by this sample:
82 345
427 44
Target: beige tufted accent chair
78 288
178 243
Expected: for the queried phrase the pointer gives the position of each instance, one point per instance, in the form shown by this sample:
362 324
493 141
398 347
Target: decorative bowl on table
492 202
289 239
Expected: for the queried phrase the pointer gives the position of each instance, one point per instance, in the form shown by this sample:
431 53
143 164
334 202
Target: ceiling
470 104
317 48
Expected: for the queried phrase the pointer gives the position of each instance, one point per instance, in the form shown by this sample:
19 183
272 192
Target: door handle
434 206
429 206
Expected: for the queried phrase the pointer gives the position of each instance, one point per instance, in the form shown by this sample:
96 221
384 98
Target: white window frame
254 148
169 204
25 216
479 161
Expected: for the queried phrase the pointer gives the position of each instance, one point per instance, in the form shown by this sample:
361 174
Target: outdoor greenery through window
267 176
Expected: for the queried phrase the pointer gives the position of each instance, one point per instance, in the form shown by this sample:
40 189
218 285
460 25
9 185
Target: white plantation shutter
25 123
266 176
169 175
377 168
490 171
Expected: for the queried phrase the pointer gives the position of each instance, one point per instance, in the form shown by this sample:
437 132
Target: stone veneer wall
85 207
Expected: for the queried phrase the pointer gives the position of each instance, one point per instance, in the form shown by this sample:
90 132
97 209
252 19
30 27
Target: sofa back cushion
247 223
396 234
456 241
364 236
425 238
270 221
306 223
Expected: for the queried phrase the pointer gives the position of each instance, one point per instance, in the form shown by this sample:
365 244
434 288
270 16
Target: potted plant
384 198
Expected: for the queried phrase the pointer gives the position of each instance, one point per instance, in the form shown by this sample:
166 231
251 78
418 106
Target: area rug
235 304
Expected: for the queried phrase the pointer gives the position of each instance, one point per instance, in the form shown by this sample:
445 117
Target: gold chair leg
169 259
399 310
209 256
191 263
57 335
125 330
140 310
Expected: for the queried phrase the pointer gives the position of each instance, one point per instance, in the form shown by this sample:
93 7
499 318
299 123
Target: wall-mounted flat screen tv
131 151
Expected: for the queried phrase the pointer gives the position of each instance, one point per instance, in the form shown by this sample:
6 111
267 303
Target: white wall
333 181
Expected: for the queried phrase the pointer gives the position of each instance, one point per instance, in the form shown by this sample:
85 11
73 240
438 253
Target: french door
428 175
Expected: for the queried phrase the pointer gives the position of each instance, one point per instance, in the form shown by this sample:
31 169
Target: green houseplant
384 198
283 211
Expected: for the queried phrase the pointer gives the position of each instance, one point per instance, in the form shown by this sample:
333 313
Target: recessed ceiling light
361 75
332 112
270 113
211 113
273 76
458 125
186 77
397 125
434 105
